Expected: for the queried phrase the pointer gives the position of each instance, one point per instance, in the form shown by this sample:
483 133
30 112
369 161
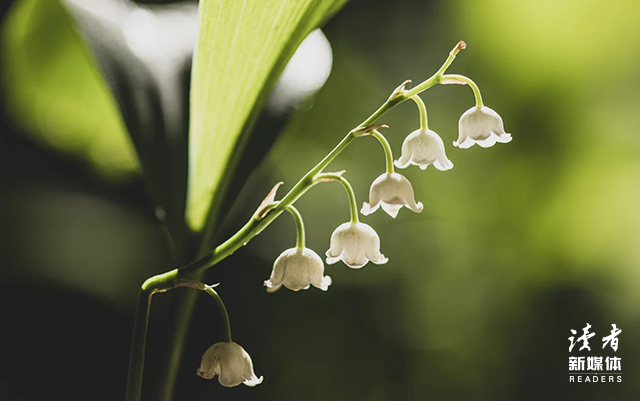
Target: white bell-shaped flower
481 125
421 148
297 269
355 244
391 191
231 363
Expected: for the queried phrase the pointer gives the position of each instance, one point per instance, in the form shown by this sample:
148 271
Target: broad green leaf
54 91
242 48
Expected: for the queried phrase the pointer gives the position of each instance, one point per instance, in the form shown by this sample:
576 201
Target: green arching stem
253 227
472 85
353 206
424 85
225 315
424 123
388 155
299 225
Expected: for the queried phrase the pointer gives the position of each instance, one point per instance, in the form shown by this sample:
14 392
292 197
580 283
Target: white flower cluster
353 242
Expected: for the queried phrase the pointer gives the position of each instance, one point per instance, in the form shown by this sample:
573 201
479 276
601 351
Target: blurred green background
516 245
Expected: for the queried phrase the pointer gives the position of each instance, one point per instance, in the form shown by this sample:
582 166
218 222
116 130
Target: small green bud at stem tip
460 46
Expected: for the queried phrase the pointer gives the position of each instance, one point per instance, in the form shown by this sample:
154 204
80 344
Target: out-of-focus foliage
242 49
144 53
53 88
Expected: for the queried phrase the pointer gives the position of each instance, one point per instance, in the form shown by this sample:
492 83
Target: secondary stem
424 124
472 85
225 315
388 155
353 206
299 225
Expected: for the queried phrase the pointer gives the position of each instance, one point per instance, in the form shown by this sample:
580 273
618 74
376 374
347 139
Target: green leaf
54 91
242 48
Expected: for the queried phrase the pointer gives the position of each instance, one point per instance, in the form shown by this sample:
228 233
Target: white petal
367 209
504 138
374 255
323 284
271 287
466 144
489 142
416 207
253 381
444 165
392 210
357 262
381 260
332 260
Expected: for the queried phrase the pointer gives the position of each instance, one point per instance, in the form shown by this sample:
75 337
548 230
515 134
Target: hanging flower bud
391 191
481 125
421 148
297 269
231 363
355 244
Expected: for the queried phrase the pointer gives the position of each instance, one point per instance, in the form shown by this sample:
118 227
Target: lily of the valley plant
353 242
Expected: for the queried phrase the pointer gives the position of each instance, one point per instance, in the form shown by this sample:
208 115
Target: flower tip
447 165
271 288
356 266
504 138
332 259
202 373
325 283
254 381
398 164
367 209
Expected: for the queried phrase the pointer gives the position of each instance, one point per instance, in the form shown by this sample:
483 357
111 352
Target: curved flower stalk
355 244
231 363
422 148
298 269
481 125
391 191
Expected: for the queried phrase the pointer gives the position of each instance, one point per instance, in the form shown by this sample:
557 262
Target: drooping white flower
231 363
391 191
481 125
422 148
355 244
297 269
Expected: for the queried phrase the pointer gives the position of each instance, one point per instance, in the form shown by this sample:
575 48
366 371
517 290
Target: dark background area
517 245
